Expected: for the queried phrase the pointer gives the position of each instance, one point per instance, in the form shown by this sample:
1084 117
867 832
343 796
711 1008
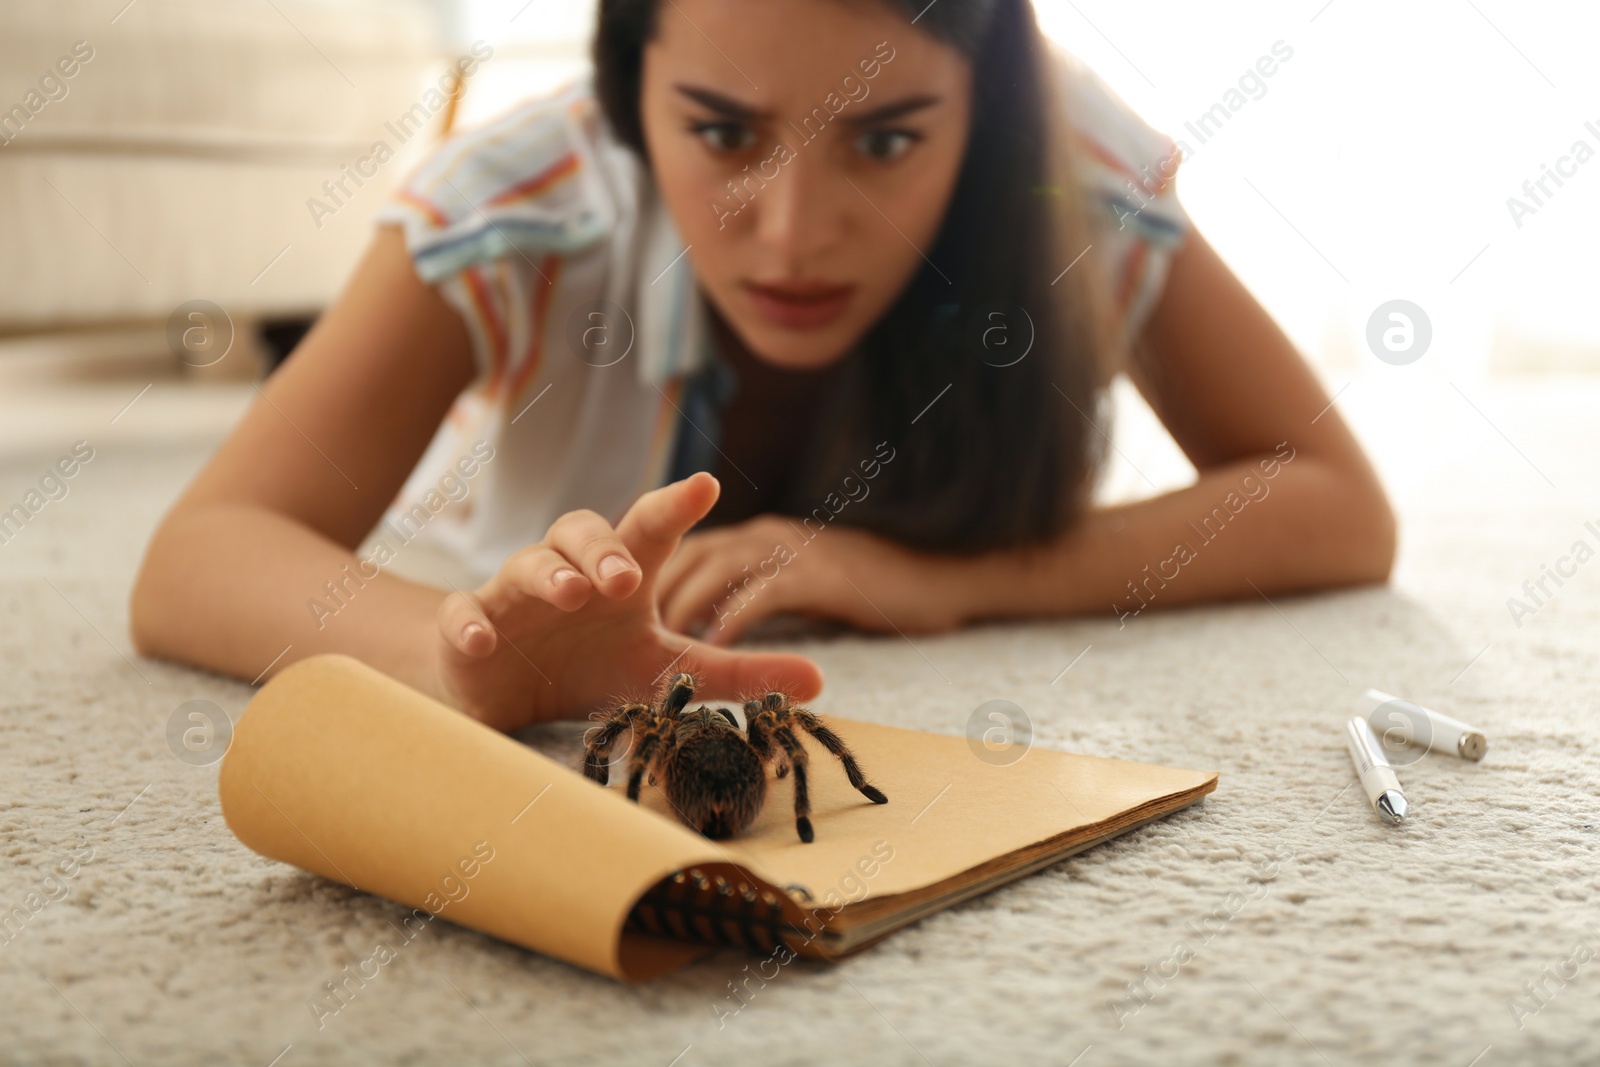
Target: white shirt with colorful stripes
540 229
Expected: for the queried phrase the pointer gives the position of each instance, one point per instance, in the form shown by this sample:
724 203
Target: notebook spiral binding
690 905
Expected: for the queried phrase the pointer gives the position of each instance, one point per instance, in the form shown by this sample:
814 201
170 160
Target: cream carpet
1279 922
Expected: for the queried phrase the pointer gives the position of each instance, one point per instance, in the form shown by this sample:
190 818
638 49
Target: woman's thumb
724 674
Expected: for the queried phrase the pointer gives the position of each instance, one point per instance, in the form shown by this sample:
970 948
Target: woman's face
841 128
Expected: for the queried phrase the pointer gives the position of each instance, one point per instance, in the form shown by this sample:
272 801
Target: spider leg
597 757
759 734
760 739
641 758
835 744
759 723
802 796
679 692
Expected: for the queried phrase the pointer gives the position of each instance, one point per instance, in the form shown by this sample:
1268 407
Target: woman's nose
800 212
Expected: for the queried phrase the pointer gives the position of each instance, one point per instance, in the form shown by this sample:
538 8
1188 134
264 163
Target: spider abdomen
717 783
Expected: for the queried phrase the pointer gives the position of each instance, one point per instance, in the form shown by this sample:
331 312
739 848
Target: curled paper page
339 769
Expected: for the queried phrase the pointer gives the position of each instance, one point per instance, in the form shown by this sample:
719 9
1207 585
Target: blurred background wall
160 151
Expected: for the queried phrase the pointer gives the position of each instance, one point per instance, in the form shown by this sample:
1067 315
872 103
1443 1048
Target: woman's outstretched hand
570 623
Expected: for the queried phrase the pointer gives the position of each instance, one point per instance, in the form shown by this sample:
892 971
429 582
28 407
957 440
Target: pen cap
1406 729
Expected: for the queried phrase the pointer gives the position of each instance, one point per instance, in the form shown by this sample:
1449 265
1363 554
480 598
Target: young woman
871 263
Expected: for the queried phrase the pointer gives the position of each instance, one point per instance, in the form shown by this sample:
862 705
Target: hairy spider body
713 773
715 779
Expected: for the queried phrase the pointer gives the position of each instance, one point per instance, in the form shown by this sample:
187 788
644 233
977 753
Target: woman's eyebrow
893 110
730 107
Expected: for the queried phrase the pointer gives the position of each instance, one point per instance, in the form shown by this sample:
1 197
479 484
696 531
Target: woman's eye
886 144
724 136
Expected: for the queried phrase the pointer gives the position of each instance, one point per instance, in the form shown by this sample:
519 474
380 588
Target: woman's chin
798 350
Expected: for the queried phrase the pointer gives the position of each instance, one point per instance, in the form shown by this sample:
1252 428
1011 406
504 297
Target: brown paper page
949 813
339 769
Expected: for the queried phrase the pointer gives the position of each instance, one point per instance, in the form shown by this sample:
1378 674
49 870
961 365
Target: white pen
1412 722
1377 777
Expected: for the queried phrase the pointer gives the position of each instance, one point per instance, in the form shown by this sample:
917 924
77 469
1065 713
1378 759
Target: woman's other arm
1238 398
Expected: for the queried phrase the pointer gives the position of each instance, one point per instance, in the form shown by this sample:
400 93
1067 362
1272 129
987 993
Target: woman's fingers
539 572
657 521
465 627
533 573
596 550
581 553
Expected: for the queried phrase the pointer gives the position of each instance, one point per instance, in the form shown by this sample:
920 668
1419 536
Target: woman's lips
800 307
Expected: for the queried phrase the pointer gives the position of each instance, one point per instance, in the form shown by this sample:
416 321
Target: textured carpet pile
1279 922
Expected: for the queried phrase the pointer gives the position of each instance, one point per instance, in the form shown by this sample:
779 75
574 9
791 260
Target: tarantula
714 773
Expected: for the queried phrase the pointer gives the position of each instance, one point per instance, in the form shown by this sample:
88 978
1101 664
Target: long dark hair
1005 456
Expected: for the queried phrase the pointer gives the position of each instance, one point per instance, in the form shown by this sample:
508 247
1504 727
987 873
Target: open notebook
339 769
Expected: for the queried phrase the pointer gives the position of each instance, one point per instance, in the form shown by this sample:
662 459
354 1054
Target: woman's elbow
146 619
141 617
1347 533
1374 534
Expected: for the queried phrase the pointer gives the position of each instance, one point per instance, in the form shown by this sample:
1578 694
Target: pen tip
1392 806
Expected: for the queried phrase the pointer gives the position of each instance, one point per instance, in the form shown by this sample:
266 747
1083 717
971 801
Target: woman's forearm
1237 532
230 587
